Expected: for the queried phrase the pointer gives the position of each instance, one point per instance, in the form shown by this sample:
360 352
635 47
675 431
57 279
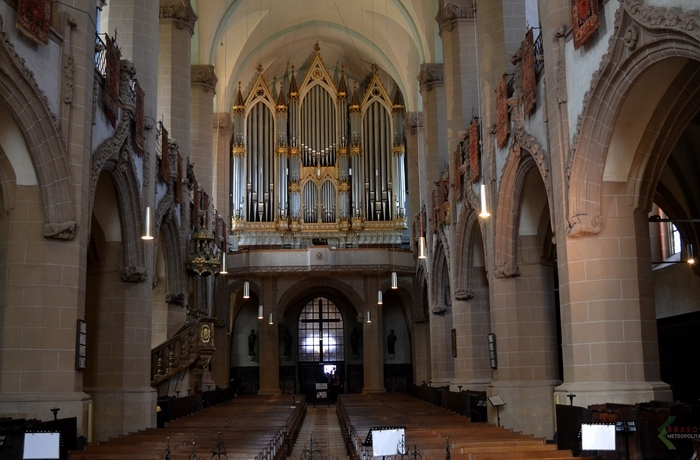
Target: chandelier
205 259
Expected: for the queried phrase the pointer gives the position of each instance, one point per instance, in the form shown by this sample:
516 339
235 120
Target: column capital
181 12
223 122
452 11
413 122
431 75
203 77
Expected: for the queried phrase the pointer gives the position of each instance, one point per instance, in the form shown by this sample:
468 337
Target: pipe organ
312 165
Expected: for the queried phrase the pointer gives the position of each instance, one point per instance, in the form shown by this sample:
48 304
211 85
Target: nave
271 428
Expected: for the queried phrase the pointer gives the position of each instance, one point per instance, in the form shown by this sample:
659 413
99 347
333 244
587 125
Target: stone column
269 339
435 134
203 83
177 20
609 335
125 395
413 128
223 129
373 343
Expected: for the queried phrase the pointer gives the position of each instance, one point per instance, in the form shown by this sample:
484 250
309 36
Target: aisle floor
321 424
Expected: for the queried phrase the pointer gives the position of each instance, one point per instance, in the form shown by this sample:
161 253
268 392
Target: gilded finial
260 68
375 68
317 47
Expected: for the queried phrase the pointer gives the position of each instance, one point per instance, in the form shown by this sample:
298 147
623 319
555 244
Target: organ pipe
318 156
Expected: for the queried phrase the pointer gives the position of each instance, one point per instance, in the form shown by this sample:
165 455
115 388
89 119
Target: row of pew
434 432
254 427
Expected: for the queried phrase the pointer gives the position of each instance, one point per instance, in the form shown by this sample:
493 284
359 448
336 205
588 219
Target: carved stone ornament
451 12
223 122
464 294
413 123
60 231
203 76
431 75
667 18
175 299
133 274
68 70
181 12
439 309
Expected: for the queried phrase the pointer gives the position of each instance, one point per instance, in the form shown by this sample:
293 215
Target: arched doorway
321 349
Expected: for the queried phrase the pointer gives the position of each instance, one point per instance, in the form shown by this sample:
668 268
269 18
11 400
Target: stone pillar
524 322
177 20
223 129
609 335
203 155
435 134
373 342
457 22
269 342
126 395
413 128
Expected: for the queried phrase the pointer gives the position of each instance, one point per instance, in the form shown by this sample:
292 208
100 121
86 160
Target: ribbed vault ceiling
236 36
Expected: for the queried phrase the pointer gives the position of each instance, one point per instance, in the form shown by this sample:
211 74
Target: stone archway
27 103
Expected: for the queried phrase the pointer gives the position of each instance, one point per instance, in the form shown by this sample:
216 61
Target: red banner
527 50
474 150
457 179
112 56
502 115
34 19
585 20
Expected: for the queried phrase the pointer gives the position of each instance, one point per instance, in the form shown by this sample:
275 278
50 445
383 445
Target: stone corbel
133 274
439 309
175 299
60 231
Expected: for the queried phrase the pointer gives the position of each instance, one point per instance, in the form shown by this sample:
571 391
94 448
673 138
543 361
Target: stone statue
252 338
355 341
391 343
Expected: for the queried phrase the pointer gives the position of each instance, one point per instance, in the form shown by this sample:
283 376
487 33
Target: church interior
485 205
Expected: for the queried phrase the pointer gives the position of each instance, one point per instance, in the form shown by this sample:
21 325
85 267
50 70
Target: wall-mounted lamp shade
223 263
421 247
260 312
147 230
379 298
270 320
246 290
369 317
484 209
691 256
394 281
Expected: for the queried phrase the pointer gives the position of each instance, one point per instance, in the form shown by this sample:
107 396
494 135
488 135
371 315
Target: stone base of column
588 393
118 412
38 406
529 406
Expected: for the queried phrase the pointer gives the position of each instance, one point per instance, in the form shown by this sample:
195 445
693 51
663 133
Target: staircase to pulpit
177 367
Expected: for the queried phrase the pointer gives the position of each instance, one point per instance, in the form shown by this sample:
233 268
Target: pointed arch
507 220
28 105
464 254
660 30
131 215
175 259
440 280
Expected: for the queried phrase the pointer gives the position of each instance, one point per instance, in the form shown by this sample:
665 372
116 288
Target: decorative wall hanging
474 150
527 50
585 20
113 57
140 138
502 115
34 19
